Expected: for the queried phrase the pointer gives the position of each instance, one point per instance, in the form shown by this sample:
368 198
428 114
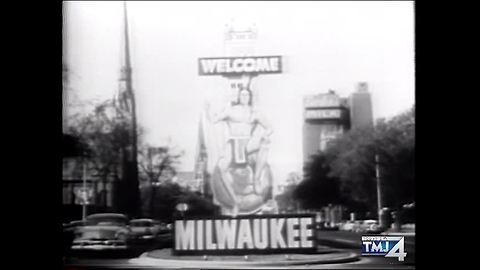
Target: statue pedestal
251 197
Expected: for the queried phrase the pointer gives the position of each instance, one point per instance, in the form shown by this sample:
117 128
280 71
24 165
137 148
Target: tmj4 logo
387 246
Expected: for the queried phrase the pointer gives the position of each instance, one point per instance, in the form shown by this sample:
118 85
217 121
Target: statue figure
242 171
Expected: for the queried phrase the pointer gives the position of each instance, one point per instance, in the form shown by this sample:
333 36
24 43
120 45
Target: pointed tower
201 161
128 195
65 70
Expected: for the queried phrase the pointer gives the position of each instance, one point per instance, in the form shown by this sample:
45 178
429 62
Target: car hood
99 232
102 227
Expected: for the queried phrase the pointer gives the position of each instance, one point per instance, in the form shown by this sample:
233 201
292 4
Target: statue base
164 258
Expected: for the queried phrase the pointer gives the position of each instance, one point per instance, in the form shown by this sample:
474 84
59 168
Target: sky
324 45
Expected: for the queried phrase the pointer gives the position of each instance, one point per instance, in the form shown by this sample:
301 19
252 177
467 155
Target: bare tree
157 165
106 138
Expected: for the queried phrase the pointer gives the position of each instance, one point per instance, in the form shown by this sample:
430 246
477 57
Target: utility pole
153 183
379 189
84 193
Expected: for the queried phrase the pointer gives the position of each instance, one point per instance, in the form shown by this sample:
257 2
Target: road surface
347 242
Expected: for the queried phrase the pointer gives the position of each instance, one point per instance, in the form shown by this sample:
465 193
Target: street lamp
182 208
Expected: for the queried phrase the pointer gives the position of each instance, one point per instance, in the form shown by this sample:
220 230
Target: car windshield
140 224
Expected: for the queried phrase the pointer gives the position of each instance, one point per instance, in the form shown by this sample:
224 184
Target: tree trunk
152 200
104 197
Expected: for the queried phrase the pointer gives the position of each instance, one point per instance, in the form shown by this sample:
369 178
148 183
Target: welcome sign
245 235
240 65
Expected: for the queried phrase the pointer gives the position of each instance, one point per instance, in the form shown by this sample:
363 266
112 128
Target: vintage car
71 226
145 228
370 226
108 231
350 226
361 226
69 234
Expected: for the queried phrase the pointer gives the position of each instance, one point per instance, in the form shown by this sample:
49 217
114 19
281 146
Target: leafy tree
199 206
167 196
396 149
317 189
107 139
345 172
170 194
351 160
286 201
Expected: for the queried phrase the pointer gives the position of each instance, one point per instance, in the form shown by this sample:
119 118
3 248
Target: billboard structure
263 234
232 156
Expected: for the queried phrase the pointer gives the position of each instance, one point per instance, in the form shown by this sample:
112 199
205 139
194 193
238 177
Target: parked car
326 226
108 231
72 225
370 226
408 227
350 226
145 228
165 237
69 234
107 218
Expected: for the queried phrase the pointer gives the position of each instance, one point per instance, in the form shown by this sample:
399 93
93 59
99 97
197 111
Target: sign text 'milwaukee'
244 234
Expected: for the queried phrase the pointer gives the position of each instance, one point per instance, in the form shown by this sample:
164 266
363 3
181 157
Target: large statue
242 180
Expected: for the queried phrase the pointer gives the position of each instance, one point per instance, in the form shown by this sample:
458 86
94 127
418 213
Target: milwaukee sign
245 235
240 65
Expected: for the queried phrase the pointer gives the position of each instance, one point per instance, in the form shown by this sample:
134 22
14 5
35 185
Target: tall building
325 117
361 107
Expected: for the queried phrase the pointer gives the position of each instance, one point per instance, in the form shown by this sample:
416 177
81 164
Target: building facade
360 104
327 115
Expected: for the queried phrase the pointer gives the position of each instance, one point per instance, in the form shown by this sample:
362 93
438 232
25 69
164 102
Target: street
339 241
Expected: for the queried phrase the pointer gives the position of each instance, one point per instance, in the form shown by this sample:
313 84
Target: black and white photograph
238 134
